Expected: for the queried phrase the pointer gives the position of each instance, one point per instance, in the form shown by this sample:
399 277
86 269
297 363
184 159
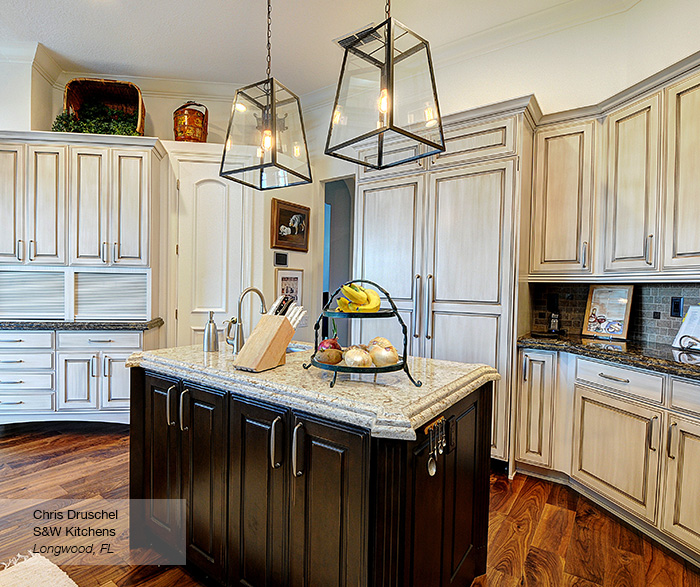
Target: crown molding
18 52
45 65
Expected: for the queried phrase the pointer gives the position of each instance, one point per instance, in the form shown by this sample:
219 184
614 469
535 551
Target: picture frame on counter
608 311
289 226
290 282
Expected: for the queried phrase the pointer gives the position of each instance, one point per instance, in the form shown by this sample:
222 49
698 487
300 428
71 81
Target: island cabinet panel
328 523
204 425
258 495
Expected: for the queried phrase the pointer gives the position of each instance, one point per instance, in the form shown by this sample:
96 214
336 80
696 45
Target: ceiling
217 41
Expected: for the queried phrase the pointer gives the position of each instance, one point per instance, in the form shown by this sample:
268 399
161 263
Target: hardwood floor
540 533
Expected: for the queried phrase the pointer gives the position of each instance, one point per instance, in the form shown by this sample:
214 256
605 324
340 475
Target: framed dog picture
289 226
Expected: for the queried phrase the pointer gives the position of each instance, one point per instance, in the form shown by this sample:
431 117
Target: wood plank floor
540 533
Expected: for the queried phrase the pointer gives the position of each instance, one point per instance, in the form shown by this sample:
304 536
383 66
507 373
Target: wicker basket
123 96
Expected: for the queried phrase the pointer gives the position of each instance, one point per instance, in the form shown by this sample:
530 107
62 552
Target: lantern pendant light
386 108
265 143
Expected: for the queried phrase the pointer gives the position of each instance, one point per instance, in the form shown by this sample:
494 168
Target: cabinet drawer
23 361
104 339
644 385
22 339
12 380
685 395
26 402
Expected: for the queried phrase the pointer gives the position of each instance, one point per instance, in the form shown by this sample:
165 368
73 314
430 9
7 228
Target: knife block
266 348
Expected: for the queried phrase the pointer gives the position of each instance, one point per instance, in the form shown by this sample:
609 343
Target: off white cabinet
11 202
115 380
562 202
633 187
77 380
535 408
616 449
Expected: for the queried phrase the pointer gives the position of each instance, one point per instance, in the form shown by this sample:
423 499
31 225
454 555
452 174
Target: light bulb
430 119
240 107
336 115
384 101
267 140
228 144
297 150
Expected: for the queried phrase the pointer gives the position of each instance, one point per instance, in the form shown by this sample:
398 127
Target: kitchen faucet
238 341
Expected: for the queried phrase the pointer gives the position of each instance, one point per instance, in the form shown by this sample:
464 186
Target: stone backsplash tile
647 299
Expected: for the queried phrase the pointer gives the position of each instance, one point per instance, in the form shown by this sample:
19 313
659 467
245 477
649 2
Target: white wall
15 86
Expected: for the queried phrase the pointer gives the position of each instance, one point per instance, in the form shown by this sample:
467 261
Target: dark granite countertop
656 357
58 325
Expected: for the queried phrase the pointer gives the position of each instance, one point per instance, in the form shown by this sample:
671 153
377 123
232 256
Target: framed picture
608 311
289 282
289 226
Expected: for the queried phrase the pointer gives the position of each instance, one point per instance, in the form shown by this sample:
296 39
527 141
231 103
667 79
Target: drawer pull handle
11 403
11 341
183 428
11 382
168 415
100 340
32 250
103 252
652 435
17 361
275 462
20 245
297 445
416 307
671 428
613 378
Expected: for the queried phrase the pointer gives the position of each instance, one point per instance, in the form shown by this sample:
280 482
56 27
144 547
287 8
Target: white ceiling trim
18 52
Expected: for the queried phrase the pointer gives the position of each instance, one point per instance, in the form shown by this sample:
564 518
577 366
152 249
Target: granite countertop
390 408
645 355
95 325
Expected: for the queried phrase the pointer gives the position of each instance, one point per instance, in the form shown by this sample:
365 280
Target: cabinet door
78 375
560 238
258 472
46 205
204 426
681 515
682 237
634 138
130 199
328 533
392 152
88 186
388 250
469 284
616 450
12 204
535 413
162 478
114 381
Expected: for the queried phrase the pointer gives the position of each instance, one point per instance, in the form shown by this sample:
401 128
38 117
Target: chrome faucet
238 341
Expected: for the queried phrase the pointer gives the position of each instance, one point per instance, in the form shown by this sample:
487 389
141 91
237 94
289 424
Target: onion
383 356
355 357
362 347
329 356
329 343
379 341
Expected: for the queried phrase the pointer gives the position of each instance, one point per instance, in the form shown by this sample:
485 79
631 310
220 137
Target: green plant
97 119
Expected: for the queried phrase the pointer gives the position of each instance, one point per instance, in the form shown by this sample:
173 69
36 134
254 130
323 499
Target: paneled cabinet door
616 450
88 206
634 139
204 428
78 375
682 237
681 515
388 250
328 517
114 381
130 198
535 413
12 245
46 204
258 475
469 247
164 512
562 210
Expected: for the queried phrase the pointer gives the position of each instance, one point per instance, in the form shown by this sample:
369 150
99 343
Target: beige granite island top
390 408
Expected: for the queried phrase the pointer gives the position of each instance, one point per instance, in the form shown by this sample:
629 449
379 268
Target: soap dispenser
211 336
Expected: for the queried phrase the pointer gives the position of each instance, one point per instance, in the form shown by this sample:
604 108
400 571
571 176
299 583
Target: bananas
359 299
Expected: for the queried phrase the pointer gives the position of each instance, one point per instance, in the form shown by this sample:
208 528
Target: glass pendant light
265 143
386 103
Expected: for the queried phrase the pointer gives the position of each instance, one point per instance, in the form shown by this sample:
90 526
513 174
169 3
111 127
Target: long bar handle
103 252
183 428
93 366
115 252
11 382
32 250
648 249
584 254
526 363
671 428
15 361
297 463
12 403
275 462
168 405
107 366
103 340
652 435
11 340
19 250
613 378
416 306
430 294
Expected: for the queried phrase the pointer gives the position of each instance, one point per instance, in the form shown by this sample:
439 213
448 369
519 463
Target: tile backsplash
646 299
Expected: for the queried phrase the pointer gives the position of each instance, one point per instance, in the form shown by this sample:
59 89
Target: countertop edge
137 325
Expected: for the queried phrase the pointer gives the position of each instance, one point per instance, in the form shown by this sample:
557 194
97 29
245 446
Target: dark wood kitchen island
286 481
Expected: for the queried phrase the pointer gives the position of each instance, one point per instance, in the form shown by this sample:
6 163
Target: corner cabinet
562 201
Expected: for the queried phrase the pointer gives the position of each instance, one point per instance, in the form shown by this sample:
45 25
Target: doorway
338 246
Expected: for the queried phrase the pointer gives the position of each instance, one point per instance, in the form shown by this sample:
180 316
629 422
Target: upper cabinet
11 203
562 203
633 140
682 237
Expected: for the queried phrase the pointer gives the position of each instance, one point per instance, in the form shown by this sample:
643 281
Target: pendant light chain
387 8
269 36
